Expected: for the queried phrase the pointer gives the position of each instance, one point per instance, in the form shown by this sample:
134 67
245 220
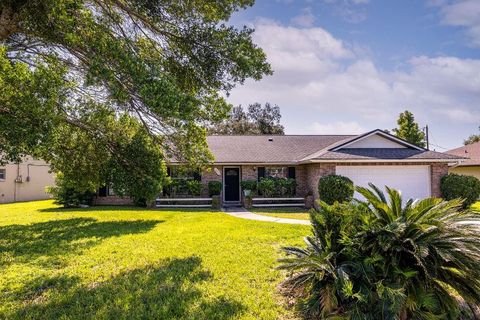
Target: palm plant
383 258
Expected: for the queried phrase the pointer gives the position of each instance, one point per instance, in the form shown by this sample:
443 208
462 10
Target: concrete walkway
244 214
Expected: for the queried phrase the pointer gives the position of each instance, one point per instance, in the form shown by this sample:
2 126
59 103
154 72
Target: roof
470 151
259 148
296 149
385 154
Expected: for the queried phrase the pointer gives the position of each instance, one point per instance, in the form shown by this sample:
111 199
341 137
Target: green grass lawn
476 206
290 213
128 263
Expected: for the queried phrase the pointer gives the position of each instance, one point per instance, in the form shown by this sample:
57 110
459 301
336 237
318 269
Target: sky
350 66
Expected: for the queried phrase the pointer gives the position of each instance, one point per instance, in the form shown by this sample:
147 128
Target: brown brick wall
437 171
249 173
301 174
314 172
210 175
112 201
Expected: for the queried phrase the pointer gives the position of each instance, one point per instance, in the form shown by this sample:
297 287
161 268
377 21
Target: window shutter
197 176
291 172
102 192
261 173
169 171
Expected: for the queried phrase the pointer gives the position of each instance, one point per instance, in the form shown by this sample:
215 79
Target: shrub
214 188
455 186
335 188
286 187
194 187
267 187
64 193
385 261
249 185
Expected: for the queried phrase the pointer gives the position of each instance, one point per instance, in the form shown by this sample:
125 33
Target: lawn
127 263
290 213
476 206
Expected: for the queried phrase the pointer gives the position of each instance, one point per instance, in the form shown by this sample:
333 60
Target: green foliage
258 120
184 187
455 186
472 139
277 187
267 187
65 193
249 185
387 259
335 188
214 188
409 130
76 66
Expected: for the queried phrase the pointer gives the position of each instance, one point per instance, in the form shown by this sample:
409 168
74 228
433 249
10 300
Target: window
178 172
276 172
3 174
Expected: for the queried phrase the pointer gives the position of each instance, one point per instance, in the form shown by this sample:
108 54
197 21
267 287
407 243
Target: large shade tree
77 65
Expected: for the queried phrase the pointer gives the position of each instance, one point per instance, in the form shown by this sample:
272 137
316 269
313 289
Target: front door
232 184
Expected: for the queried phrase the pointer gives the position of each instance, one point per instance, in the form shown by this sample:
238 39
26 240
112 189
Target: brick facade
208 175
314 172
112 201
437 171
249 173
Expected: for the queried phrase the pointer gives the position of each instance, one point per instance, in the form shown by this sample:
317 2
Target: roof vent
270 139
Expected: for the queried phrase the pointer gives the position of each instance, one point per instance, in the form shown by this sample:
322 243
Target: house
470 166
25 181
375 156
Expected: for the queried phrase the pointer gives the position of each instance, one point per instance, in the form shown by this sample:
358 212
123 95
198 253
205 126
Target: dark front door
232 184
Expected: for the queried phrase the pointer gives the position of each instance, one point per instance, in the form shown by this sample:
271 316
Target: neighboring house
25 181
375 156
470 166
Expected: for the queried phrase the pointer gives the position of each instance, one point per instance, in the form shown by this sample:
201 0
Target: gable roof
470 151
268 149
297 149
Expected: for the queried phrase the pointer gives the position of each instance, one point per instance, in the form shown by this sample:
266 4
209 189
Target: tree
408 129
257 120
386 258
472 139
78 66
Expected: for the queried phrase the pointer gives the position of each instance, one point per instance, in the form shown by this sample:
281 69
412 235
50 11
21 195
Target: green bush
194 187
214 188
335 188
249 185
385 261
286 187
267 187
455 186
64 193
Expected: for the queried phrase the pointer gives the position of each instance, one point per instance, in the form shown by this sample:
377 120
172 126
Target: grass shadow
49 241
167 290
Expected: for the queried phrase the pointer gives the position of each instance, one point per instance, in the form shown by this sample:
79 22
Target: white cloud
305 19
321 84
463 13
339 127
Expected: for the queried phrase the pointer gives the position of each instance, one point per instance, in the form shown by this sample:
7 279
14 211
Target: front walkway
244 214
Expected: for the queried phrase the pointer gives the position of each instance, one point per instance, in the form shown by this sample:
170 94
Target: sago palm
386 259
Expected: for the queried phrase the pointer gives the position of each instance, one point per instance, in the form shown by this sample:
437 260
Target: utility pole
426 137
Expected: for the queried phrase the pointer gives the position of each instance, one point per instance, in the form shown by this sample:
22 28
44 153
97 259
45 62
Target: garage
413 181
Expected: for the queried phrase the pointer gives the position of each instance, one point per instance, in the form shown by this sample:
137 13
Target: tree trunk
8 22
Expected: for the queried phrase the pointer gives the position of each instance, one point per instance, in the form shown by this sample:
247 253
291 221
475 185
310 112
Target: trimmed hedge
214 188
335 188
455 186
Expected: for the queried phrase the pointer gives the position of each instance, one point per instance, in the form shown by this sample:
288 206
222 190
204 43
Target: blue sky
348 66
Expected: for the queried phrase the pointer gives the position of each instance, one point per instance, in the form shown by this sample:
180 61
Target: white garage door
412 181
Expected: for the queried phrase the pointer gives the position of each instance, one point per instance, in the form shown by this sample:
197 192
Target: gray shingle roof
259 149
384 154
291 149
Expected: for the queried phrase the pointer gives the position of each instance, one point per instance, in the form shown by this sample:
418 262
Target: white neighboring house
25 181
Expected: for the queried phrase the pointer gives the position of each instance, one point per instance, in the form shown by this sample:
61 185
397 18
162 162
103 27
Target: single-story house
25 181
470 166
375 156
